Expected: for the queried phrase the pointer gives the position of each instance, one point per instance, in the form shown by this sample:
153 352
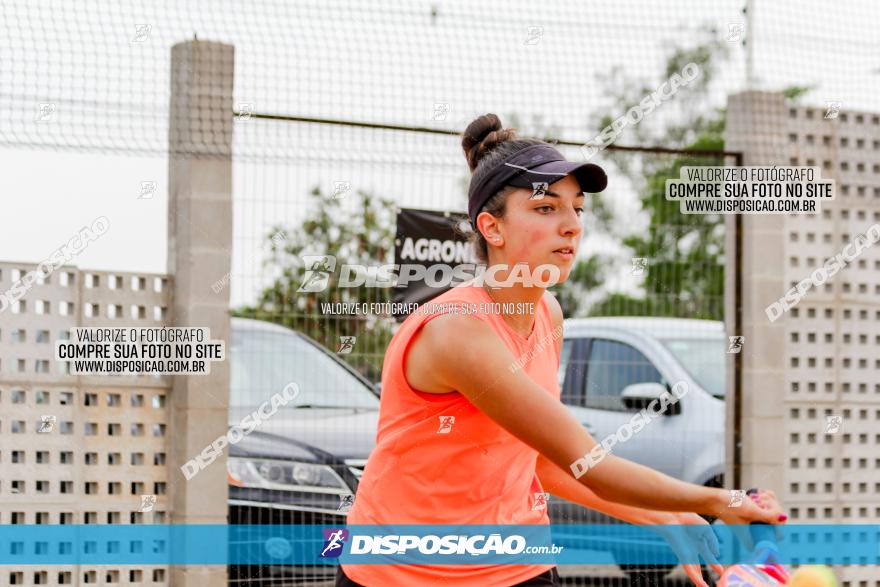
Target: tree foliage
357 229
684 272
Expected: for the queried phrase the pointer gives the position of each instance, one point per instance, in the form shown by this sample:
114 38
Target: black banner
426 238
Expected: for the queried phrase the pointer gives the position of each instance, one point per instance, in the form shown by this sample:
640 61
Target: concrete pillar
199 253
756 127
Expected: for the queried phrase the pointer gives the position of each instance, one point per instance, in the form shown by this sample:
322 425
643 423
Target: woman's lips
565 253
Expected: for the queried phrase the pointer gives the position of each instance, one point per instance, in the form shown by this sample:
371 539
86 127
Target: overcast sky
365 61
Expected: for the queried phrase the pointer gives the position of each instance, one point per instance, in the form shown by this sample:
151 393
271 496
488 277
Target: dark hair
485 143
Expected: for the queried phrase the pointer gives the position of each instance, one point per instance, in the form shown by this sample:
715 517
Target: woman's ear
488 227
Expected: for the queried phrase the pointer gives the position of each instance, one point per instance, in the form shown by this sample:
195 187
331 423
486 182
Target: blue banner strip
176 544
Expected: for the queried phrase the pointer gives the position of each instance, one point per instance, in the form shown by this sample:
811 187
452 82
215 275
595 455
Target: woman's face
535 230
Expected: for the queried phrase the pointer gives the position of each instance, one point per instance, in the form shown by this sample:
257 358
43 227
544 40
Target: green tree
355 232
684 273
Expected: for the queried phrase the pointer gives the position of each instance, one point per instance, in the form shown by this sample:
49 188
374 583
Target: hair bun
481 136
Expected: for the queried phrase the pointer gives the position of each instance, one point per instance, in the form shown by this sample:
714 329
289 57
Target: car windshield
262 363
703 358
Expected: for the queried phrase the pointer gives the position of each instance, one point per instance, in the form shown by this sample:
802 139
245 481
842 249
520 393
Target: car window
612 367
262 363
571 371
704 359
563 360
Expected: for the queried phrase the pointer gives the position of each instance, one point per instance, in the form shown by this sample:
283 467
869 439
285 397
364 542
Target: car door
572 368
599 370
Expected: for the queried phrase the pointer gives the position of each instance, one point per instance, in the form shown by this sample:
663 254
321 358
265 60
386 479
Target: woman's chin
565 265
563 276
564 270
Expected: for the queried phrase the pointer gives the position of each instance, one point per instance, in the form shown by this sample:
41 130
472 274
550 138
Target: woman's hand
691 536
760 507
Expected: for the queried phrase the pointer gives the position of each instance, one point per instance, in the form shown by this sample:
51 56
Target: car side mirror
378 388
640 395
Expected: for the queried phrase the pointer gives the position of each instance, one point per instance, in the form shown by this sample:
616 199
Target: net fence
343 114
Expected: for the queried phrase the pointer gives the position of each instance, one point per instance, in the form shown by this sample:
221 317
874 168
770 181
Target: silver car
611 368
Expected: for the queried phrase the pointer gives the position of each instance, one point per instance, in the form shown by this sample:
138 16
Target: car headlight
286 475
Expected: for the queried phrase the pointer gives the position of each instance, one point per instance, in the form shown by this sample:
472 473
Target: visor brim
589 176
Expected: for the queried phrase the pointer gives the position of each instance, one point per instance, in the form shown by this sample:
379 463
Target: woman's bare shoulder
433 350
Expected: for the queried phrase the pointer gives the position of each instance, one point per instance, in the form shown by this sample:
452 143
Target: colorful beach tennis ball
746 576
813 576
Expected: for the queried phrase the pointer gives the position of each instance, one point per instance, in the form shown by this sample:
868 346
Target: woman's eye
550 208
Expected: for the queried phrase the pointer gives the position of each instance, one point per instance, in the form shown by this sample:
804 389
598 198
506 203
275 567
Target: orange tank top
428 468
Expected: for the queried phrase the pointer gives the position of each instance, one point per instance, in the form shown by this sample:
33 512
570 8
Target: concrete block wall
110 442
119 437
819 361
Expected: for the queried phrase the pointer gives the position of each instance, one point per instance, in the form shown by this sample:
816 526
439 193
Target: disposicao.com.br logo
419 545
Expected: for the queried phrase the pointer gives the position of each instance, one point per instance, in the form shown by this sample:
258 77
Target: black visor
534 164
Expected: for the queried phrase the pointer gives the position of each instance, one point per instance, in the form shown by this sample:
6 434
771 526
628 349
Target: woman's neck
523 302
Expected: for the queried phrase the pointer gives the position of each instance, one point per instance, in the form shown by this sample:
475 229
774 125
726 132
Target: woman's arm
561 484
481 368
685 545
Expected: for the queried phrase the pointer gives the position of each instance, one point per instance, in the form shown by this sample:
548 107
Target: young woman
471 429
